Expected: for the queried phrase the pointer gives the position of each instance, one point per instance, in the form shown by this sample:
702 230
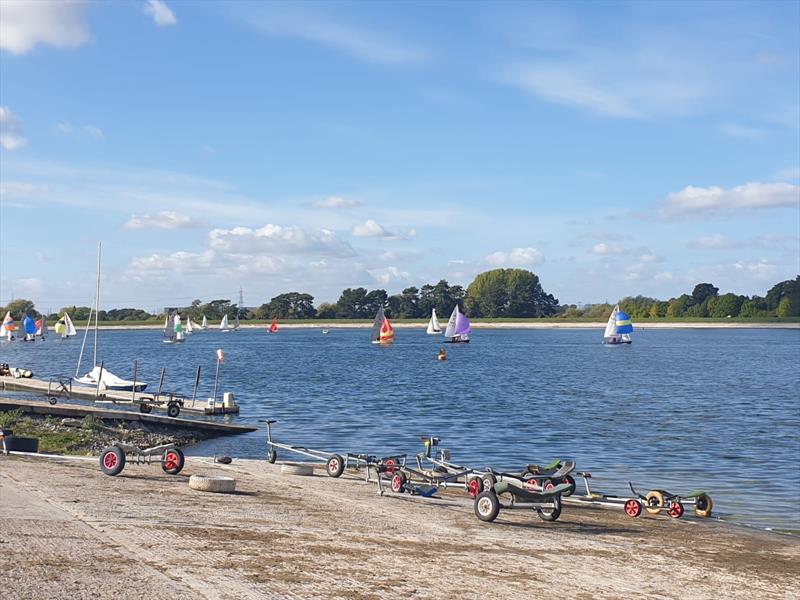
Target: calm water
717 410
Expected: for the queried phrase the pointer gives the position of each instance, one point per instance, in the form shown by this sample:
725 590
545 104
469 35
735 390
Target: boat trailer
114 457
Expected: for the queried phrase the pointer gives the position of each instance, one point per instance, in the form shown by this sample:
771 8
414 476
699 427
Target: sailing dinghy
65 328
41 327
204 325
223 325
382 331
173 329
273 328
236 322
8 327
458 328
618 328
433 324
29 328
189 326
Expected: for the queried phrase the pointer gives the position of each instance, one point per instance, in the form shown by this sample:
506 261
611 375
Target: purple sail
462 324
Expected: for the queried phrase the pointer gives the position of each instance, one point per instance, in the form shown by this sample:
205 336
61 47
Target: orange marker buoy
442 354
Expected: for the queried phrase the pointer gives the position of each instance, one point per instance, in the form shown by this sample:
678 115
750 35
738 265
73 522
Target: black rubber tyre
52 400
112 460
571 481
145 408
487 506
654 502
173 409
335 466
703 505
272 456
398 482
173 460
488 482
18 443
551 514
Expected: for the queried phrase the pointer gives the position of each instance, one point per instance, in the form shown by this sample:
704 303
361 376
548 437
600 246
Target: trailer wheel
335 466
487 506
173 409
272 456
112 460
675 510
703 505
145 408
391 465
654 502
633 508
568 479
52 400
551 514
399 483
488 481
173 461
475 486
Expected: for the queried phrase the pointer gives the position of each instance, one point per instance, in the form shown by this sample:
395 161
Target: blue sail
29 325
624 324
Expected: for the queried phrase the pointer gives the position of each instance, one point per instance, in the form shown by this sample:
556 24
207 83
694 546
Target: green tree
677 307
20 306
785 307
352 304
748 309
727 305
509 293
326 310
785 289
702 292
292 305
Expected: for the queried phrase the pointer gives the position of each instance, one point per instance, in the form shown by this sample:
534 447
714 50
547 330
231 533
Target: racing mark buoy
442 354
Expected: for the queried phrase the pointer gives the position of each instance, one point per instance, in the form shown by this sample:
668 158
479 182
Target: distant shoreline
495 325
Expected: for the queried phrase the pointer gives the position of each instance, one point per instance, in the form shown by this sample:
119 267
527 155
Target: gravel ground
67 530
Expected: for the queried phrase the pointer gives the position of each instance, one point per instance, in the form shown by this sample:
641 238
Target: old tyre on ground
487 506
18 443
654 502
112 460
297 469
633 508
145 408
551 514
173 409
335 466
703 505
173 461
272 456
220 485
398 482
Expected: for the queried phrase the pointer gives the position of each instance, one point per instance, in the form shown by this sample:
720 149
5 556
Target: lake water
710 409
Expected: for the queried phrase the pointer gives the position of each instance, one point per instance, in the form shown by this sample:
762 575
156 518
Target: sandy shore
67 529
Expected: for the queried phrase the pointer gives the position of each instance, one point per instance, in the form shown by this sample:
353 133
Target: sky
613 149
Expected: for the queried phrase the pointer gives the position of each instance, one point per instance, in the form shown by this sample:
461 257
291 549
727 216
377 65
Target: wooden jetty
63 388
81 410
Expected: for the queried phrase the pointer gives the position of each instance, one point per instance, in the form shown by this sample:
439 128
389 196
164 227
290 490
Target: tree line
499 293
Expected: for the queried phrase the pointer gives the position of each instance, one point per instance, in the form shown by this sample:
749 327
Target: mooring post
160 382
196 383
216 381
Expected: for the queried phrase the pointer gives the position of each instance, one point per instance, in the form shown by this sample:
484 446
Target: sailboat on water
189 327
28 328
8 327
101 377
41 327
173 329
618 328
223 325
65 327
433 325
382 330
204 324
273 328
236 324
458 329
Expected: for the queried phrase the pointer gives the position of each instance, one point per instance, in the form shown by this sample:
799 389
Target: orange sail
387 332
274 327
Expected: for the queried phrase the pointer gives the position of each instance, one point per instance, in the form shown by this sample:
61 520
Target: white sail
223 326
236 322
6 330
189 327
433 324
611 326
177 328
69 327
204 326
451 324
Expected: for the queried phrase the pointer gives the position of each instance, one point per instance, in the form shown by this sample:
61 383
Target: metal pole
216 381
135 370
99 380
97 300
160 382
196 383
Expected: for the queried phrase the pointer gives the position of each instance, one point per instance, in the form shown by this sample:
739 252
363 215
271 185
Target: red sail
274 327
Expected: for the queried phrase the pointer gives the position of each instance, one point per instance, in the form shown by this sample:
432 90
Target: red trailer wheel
475 487
675 510
112 460
398 483
173 461
633 508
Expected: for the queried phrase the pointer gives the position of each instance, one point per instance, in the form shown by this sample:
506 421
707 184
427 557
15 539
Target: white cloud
369 228
518 257
717 241
94 132
11 130
64 127
741 131
26 23
606 249
716 200
336 202
388 275
275 239
789 174
161 13
88 131
289 20
163 220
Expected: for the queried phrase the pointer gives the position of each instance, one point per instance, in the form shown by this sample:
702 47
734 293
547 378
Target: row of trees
509 293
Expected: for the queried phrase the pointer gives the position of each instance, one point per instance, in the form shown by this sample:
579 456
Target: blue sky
612 148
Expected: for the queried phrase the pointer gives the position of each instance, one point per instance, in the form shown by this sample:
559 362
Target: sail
168 332
70 328
29 325
387 332
450 331
611 326
8 326
462 326
224 323
236 322
433 324
41 327
205 323
177 325
189 327
624 324
61 326
377 324
273 328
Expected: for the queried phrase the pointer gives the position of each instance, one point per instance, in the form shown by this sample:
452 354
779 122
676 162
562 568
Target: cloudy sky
613 149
